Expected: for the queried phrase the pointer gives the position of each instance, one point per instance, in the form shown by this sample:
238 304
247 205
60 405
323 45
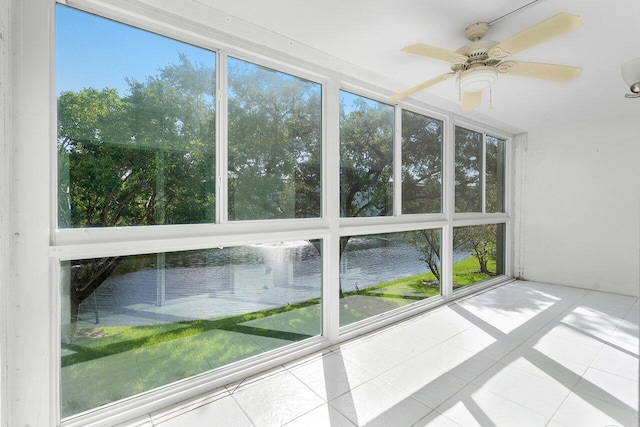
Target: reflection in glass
468 183
133 323
478 253
421 164
381 272
140 153
366 157
495 174
275 144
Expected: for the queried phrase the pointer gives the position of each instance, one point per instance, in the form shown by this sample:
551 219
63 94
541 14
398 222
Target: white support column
517 207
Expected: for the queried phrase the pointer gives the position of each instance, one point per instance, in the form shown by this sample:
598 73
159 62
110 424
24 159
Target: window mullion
397 163
331 200
448 205
222 142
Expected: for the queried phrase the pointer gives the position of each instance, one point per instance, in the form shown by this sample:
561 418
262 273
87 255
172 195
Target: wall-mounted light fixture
631 75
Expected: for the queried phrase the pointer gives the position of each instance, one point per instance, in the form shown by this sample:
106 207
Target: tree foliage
468 181
366 158
421 164
495 174
142 159
480 241
428 243
275 144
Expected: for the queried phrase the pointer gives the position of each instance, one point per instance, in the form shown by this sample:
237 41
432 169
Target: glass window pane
275 144
366 157
136 125
495 174
478 253
381 272
421 164
468 183
130 324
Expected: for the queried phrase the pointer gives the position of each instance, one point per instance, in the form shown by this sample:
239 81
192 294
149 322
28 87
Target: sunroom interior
216 212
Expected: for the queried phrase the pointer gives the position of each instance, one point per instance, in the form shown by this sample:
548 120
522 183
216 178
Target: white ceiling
365 37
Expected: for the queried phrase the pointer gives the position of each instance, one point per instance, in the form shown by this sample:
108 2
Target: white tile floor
522 354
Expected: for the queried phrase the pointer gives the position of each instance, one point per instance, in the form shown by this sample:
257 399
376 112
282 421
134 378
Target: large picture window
133 323
275 141
136 126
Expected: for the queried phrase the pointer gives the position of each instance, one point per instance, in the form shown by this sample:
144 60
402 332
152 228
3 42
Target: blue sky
96 52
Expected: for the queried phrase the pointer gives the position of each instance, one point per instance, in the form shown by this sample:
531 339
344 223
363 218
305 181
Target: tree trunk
483 265
86 277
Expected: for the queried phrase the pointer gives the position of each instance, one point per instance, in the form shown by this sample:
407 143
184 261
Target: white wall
5 168
580 207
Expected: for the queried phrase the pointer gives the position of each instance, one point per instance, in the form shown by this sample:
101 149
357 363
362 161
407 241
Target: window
275 140
478 253
479 176
495 174
366 157
381 272
468 170
133 323
421 164
136 126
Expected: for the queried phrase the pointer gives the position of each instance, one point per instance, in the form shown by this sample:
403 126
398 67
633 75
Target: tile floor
523 354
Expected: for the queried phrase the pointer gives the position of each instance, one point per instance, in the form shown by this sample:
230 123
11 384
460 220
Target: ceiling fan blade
471 100
538 70
421 86
436 52
548 29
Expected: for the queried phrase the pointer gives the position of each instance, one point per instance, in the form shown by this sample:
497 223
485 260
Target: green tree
480 241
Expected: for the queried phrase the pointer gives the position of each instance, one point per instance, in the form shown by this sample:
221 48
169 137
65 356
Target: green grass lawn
467 272
107 363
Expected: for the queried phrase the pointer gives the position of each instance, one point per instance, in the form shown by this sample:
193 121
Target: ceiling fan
477 64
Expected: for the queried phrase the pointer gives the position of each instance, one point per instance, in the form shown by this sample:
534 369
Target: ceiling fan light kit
478 63
631 76
478 79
